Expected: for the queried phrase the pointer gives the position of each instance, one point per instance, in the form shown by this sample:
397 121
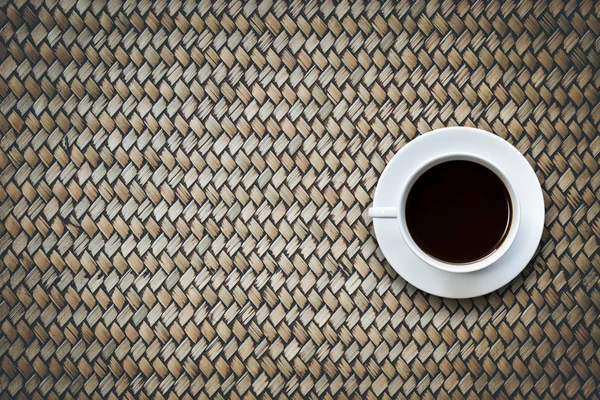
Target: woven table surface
183 195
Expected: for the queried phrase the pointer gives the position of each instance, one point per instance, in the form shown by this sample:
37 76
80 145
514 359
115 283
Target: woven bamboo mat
183 191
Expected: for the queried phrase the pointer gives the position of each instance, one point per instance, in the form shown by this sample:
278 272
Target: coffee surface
458 211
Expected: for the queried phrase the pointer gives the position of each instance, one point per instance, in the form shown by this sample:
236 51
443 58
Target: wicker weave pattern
183 191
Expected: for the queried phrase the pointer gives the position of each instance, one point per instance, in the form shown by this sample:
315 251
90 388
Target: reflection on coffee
458 211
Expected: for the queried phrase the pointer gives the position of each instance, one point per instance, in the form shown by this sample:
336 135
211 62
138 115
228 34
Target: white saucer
518 171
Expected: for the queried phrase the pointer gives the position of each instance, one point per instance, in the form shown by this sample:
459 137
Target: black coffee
458 211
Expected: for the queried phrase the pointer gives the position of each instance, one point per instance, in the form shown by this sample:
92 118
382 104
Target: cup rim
487 260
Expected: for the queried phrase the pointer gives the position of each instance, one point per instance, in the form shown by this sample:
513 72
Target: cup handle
383 212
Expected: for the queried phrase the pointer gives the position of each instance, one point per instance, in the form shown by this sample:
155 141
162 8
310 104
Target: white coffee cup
398 213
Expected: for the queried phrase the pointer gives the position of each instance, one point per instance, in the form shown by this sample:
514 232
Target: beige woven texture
183 191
